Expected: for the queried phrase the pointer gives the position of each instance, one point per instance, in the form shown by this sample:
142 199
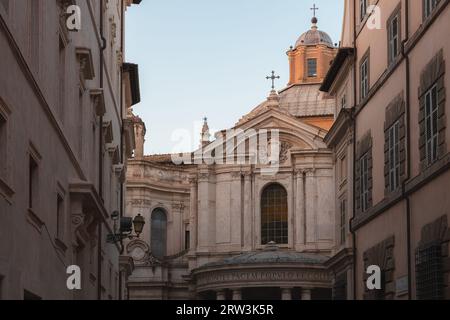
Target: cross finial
273 78
314 9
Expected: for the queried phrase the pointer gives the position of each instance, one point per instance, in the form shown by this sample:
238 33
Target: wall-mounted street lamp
126 228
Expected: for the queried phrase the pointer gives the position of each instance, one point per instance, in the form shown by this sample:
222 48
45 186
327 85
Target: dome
314 36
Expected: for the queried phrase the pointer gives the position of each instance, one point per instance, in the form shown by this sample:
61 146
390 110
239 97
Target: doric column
306 294
286 293
220 294
237 294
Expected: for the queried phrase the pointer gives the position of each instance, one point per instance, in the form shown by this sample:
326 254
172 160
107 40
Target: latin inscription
262 276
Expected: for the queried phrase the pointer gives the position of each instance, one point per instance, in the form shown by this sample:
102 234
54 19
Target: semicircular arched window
274 215
158 233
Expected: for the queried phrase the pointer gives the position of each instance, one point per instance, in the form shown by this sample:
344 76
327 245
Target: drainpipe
122 12
353 123
100 164
408 148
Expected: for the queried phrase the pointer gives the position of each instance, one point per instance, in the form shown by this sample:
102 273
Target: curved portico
269 274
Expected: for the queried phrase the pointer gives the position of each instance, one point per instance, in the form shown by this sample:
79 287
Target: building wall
388 215
57 125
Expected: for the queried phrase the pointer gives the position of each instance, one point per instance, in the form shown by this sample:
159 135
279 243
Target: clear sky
210 58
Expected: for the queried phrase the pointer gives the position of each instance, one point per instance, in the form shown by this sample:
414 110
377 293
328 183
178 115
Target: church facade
240 227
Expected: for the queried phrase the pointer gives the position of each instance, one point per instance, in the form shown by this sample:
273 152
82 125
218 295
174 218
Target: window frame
33 182
364 81
3 145
364 182
60 216
343 221
163 237
278 227
187 239
363 6
5 123
308 62
394 156
429 272
428 7
431 125
394 41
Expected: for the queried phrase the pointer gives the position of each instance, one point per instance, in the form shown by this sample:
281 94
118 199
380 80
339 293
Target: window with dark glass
3 151
274 215
343 224
312 67
394 38
428 7
364 182
159 233
362 9
187 240
429 272
32 182
364 74
394 156
431 124
59 217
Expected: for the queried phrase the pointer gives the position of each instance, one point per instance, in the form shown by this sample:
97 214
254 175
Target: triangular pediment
299 134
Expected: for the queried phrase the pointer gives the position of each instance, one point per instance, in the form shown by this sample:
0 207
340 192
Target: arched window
159 233
274 215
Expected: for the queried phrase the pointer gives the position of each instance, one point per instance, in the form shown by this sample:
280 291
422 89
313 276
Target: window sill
34 220
362 218
428 174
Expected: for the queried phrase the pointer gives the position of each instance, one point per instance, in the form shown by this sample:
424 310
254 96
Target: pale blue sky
210 58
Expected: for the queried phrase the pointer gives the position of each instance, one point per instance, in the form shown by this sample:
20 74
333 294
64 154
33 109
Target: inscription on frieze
140 203
221 277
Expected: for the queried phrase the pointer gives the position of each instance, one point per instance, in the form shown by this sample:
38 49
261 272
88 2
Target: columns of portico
306 294
237 294
220 295
286 293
